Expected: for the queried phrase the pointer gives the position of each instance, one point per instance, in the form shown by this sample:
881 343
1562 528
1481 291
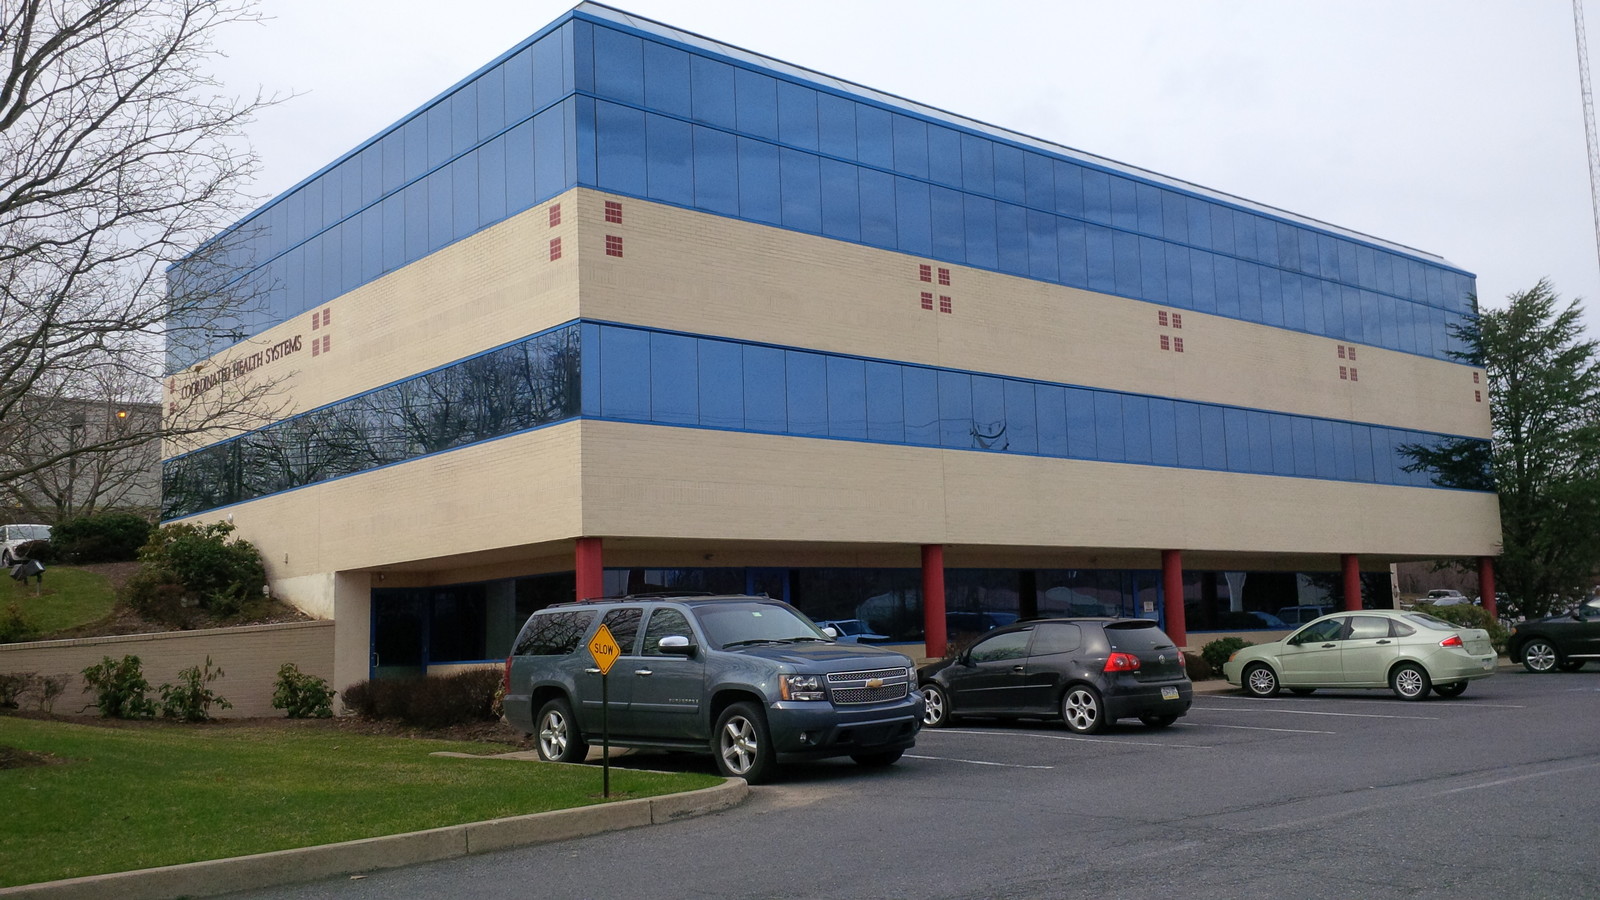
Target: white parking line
1260 728
1310 712
976 762
1065 737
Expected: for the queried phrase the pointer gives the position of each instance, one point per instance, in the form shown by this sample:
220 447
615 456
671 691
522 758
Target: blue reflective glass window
756 102
1236 428
1009 173
1044 263
977 164
874 136
1071 248
980 227
520 167
305 210
1199 215
577 121
1384 312
1049 405
1203 280
716 171
547 66
1180 282
517 73
847 397
721 368
1341 444
1361 452
955 410
620 149
674 379
414 141
766 404
1186 421
440 131
590 347
1249 291
1283 449
666 79
1309 261
1147 202
1266 240
1102 259
1332 308
395 225
1309 292
836 121
841 200
1366 266
309 278
1386 460
801 190
371 243
1323 442
797 115
1097 196
759 182
1136 429
464 118
1011 238
1260 425
543 147
1227 285
949 224
1214 437
1327 255
1244 235
1110 442
1439 333
1153 270
910 146
372 186
1163 432
988 416
1347 261
886 410
492 181
913 216
1174 216
877 207
1069 189
806 377
334 190
1124 203
944 156
669 169
921 387
1294 309
1125 253
417 213
1022 431
624 373
1412 322
1222 229
464 190
1040 176
1354 326
713 92
579 49
1306 450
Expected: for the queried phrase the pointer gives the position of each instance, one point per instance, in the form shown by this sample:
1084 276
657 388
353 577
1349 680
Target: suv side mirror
675 645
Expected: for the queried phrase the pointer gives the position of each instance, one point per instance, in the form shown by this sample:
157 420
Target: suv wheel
743 749
1539 656
1082 711
559 740
935 706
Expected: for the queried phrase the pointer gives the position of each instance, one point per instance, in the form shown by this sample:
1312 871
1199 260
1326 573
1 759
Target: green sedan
1407 652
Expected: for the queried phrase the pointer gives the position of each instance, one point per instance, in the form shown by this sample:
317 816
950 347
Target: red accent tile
326 340
316 348
944 304
555 249
613 245
1353 374
1177 345
555 214
1477 396
316 321
1352 352
944 276
614 212
1177 320
1344 374
327 316
1161 318
1474 377
1341 351
1166 342
927 300
925 273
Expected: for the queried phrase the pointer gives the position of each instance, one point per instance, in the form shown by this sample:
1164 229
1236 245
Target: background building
630 309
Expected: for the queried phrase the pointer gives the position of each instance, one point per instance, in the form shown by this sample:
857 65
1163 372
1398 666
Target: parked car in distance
1407 652
854 631
747 679
1443 597
13 537
1268 620
968 621
1562 642
1299 615
1086 672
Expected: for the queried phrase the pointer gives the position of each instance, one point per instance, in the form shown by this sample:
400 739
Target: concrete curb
221 876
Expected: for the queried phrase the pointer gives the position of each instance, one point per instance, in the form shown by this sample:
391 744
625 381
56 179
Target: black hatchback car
1087 672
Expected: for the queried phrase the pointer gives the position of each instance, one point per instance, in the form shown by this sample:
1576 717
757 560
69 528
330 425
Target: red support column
590 572
1172 594
1351 564
933 621
1486 587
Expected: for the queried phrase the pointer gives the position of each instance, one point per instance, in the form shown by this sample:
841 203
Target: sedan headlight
801 687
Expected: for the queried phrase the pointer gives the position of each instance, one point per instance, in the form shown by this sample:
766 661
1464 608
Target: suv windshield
736 624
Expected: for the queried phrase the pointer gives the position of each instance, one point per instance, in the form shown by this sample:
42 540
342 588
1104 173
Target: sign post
605 650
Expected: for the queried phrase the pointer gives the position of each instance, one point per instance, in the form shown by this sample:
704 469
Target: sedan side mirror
830 631
675 645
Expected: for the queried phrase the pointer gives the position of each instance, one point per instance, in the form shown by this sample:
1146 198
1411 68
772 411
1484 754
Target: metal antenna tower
1588 120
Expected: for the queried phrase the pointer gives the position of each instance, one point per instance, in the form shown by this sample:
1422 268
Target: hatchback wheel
1454 689
1410 682
743 749
1571 665
1539 656
1260 680
935 706
559 740
1082 711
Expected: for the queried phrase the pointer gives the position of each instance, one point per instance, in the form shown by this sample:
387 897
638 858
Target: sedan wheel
1539 656
1410 682
935 706
1081 710
1454 689
1261 681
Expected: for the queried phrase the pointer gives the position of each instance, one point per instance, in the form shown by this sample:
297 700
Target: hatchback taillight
1122 662
1453 640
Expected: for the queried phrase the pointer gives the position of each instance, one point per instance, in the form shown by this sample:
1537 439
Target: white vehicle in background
14 536
1446 597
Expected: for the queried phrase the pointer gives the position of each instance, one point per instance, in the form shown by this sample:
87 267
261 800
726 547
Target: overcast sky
1453 127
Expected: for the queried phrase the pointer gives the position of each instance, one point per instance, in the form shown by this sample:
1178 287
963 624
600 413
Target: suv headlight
801 687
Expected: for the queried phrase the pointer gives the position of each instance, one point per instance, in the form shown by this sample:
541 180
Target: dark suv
748 679
1565 642
1087 672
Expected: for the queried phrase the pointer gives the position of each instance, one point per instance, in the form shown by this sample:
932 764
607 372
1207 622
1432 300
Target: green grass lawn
68 598
158 794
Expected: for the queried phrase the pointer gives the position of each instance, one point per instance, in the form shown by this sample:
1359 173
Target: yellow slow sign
603 647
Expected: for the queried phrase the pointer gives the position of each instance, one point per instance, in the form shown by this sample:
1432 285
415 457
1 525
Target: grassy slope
69 598
160 794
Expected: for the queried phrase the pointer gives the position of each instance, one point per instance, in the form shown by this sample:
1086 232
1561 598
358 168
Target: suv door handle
645 672
591 671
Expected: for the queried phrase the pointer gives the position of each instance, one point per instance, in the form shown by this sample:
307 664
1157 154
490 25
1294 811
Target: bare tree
119 157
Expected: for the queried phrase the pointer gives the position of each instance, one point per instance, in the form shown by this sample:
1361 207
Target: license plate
1488 664
1169 693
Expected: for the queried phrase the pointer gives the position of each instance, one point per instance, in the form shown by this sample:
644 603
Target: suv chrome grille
871 686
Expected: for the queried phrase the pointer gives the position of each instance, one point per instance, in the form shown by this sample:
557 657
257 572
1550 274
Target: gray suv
748 679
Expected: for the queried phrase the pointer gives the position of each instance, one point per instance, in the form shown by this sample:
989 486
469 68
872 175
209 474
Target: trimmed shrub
428 702
100 537
191 699
42 551
1198 668
1470 616
120 688
187 565
12 685
1217 652
14 626
302 696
